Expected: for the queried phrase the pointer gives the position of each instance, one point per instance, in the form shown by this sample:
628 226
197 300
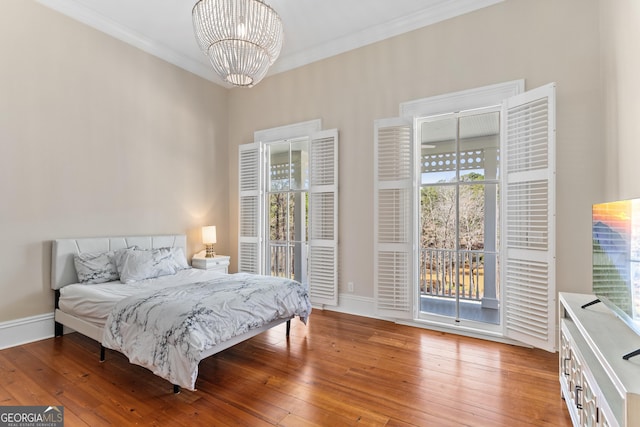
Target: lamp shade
209 234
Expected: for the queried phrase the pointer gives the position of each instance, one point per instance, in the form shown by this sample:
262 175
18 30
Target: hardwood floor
339 370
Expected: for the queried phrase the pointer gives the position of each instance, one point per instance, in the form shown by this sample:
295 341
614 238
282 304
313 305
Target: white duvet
167 329
94 302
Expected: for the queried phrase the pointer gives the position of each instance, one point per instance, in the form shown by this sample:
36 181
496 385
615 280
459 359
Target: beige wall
539 40
621 81
97 138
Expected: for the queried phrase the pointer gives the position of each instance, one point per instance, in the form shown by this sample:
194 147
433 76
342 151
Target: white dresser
600 388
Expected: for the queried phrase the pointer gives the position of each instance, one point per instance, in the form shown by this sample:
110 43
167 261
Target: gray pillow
96 267
136 265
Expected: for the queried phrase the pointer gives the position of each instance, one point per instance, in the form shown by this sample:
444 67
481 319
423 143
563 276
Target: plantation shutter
528 204
250 217
323 218
393 218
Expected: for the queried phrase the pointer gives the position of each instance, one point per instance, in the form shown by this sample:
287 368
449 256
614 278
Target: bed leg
58 329
288 327
101 353
176 389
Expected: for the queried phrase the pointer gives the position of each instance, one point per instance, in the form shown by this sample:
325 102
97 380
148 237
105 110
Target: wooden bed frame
63 273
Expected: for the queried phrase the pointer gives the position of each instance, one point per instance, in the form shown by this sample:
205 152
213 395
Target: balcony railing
282 264
288 259
440 275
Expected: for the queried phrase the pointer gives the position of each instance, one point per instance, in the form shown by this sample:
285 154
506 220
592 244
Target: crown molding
441 11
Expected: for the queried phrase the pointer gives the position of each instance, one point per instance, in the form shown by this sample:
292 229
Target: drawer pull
578 389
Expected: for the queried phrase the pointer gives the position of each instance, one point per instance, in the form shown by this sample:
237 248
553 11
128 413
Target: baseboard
26 330
356 305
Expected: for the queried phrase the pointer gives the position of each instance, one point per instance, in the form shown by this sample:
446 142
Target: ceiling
313 29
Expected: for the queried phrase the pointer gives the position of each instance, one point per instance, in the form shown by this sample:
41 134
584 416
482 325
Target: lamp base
210 253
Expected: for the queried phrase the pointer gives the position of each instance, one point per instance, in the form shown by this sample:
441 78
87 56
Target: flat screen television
616 258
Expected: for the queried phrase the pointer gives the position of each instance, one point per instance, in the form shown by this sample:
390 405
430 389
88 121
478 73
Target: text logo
31 416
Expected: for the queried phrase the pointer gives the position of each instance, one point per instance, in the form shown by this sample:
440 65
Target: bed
138 295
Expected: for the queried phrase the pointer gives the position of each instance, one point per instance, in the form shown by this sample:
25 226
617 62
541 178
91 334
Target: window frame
465 100
291 191
490 299
322 253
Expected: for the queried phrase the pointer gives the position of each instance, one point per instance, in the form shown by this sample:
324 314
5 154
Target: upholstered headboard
63 271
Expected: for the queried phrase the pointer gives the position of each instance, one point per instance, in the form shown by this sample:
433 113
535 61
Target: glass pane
279 166
459 215
479 145
438 217
294 216
471 275
438 150
299 219
278 260
300 164
306 216
298 205
278 212
472 216
291 264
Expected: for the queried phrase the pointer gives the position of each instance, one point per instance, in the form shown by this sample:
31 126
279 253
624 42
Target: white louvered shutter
528 206
323 218
250 215
393 218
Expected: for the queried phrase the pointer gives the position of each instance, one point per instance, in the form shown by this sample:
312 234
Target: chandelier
242 38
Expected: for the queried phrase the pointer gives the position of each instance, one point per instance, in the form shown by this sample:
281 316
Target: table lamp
209 239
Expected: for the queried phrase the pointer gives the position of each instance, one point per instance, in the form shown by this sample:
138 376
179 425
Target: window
458 212
524 172
289 207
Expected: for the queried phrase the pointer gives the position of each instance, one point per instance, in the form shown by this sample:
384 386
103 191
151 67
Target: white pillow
96 267
119 256
147 264
179 258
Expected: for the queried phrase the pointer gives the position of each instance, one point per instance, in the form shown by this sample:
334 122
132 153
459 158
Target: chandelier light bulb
242 30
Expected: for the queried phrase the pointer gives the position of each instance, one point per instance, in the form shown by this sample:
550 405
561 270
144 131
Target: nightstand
217 263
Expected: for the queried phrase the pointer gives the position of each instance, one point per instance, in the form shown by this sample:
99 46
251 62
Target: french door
496 168
458 215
